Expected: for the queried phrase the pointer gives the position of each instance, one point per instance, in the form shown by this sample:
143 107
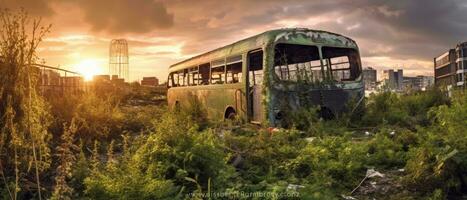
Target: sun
89 68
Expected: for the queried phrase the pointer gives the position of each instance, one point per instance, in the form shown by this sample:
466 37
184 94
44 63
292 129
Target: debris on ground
294 187
379 184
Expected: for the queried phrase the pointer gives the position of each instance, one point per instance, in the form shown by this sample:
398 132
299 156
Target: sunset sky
391 34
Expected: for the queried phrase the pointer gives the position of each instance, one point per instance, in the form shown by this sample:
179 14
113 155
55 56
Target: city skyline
391 35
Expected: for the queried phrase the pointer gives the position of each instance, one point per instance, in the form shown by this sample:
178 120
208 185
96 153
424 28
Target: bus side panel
215 99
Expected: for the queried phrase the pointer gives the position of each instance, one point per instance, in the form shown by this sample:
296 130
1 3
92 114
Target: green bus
265 78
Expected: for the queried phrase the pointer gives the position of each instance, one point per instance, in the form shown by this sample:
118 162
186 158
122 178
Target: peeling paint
276 95
317 37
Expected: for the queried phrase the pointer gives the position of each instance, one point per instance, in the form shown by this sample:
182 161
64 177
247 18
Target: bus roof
258 41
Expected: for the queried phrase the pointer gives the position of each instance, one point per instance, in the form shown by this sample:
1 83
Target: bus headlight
279 115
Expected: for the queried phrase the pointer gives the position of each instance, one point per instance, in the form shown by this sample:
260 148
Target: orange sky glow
161 33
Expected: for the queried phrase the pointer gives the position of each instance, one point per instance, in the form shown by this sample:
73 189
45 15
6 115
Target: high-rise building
417 83
369 78
393 80
451 67
461 64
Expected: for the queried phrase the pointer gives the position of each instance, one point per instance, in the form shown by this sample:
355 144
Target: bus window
192 76
297 62
255 68
344 63
234 69
204 73
170 81
181 78
315 71
218 72
175 79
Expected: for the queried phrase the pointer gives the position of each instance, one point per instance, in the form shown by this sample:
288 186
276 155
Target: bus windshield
295 63
343 63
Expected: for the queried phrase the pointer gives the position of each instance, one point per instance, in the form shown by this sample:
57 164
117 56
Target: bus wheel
230 114
177 106
326 113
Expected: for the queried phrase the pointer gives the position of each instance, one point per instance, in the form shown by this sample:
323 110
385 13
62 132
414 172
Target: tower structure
119 59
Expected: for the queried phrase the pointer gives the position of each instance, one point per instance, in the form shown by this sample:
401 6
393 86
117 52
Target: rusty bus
264 78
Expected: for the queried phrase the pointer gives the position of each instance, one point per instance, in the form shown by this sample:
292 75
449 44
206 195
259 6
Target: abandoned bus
267 77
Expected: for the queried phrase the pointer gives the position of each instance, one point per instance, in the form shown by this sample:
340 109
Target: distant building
393 80
150 81
427 81
461 64
101 78
369 78
72 83
49 77
451 67
417 83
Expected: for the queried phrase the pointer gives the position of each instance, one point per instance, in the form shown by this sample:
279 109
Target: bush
440 161
175 158
329 160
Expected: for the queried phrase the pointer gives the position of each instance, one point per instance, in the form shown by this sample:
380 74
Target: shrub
175 158
330 160
440 161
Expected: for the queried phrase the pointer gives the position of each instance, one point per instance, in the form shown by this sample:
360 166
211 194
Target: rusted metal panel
273 95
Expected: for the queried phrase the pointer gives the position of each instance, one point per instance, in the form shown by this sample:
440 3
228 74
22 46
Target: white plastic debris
401 170
294 187
372 173
310 139
392 133
348 197
367 133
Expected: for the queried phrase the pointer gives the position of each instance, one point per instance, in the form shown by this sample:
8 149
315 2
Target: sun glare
89 68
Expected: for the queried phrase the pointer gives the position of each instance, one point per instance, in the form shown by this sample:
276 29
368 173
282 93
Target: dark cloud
33 7
395 29
416 29
126 16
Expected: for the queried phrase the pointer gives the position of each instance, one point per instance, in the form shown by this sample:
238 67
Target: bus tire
230 113
177 106
326 113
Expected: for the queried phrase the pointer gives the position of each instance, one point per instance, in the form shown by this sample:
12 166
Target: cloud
33 7
408 33
126 16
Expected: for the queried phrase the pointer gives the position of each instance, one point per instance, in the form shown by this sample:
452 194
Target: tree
24 115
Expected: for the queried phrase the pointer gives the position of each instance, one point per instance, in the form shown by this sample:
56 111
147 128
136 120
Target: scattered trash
348 197
273 129
392 133
367 133
369 173
401 170
294 187
376 183
372 173
310 139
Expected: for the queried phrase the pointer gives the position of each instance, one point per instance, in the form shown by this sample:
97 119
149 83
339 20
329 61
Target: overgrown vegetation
94 146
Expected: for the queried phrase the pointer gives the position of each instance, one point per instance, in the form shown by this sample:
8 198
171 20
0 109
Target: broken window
170 82
255 67
193 76
313 71
218 72
344 63
297 62
181 79
204 73
234 69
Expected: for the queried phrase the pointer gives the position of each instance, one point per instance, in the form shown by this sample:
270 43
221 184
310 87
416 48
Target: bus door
255 82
